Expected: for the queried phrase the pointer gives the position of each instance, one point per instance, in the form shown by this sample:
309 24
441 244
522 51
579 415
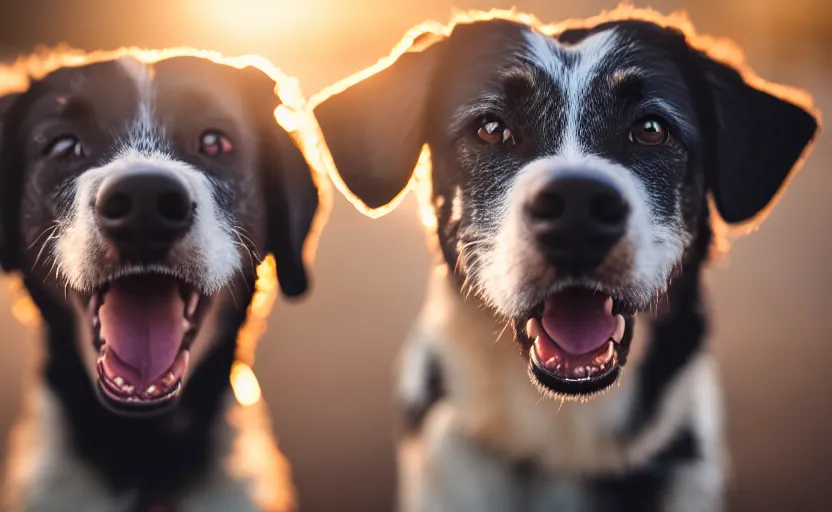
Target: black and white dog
137 198
573 169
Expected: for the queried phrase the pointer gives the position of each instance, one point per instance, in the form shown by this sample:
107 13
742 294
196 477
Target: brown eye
65 146
215 144
648 132
495 132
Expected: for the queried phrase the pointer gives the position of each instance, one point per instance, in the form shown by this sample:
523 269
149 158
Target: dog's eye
214 143
648 132
495 132
65 146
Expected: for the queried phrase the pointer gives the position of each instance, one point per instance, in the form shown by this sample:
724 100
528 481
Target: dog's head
570 173
137 200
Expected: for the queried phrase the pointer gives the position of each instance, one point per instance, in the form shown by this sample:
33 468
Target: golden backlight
260 22
291 115
425 34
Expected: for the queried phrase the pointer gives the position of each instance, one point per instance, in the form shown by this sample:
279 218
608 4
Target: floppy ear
758 141
8 214
291 202
289 190
375 129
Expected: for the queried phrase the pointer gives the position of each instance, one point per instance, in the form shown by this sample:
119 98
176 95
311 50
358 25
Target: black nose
143 212
577 221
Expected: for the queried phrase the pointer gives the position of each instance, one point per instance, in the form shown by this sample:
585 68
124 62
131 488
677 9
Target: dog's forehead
103 90
571 65
184 81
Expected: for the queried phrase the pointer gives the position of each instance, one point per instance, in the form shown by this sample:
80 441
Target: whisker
53 236
50 229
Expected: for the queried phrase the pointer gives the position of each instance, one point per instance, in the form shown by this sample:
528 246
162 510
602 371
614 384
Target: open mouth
578 343
143 326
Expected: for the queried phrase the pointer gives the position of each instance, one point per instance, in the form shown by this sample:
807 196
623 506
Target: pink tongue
142 321
579 321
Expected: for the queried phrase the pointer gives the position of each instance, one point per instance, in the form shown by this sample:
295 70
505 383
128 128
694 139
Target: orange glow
258 20
245 385
23 309
291 115
719 49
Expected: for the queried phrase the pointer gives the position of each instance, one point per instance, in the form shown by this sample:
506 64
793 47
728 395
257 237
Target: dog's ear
8 215
375 129
289 190
291 203
757 140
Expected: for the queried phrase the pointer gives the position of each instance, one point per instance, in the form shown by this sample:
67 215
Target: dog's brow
518 77
627 81
75 109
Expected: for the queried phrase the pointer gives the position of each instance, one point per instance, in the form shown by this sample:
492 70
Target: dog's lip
117 389
549 357
574 375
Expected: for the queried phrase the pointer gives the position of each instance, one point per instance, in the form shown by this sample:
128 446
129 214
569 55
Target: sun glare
253 19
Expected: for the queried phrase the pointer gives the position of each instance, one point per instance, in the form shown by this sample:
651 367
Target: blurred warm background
325 363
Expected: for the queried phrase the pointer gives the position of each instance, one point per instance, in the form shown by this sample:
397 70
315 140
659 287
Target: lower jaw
119 396
135 407
578 389
575 389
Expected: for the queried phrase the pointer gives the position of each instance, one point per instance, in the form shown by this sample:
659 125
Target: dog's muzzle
575 334
145 314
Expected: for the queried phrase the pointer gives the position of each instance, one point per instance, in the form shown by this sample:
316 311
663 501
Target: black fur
732 139
267 191
440 95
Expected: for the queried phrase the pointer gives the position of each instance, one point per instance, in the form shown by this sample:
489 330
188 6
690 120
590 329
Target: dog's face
570 173
140 198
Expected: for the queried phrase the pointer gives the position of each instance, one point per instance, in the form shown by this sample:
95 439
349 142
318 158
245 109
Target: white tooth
118 381
552 363
591 370
608 306
605 357
619 329
579 372
95 321
150 390
128 388
186 324
193 302
533 329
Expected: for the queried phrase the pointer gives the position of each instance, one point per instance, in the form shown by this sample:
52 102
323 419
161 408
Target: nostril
117 206
173 206
547 206
608 208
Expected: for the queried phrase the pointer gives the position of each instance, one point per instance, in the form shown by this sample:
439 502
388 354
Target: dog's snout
143 211
577 220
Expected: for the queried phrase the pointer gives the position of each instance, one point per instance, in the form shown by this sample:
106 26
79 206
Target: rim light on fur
291 115
720 49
